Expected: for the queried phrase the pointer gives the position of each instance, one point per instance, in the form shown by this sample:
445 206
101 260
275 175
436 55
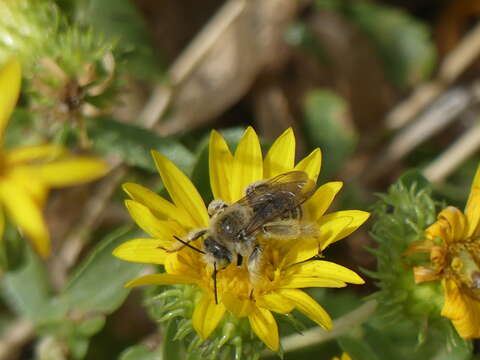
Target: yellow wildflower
344 356
453 243
286 266
28 172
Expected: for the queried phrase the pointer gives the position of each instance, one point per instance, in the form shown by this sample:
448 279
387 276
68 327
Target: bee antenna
188 245
215 282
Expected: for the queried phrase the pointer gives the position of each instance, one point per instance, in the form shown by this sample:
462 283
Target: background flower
28 172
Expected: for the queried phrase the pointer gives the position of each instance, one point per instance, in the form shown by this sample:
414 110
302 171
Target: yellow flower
28 172
344 356
286 266
453 243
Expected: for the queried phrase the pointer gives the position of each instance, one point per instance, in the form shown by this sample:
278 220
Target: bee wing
272 198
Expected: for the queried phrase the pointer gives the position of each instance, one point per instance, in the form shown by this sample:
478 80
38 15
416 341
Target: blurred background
381 87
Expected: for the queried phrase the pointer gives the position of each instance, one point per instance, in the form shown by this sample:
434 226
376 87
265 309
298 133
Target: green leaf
404 43
172 350
357 349
133 144
326 126
98 284
140 352
28 292
414 177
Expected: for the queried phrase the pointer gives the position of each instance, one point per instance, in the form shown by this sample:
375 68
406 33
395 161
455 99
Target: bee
269 209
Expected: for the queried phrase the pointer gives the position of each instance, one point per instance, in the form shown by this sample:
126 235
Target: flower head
28 172
344 356
453 245
286 265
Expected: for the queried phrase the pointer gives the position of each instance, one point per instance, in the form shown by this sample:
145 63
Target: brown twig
15 337
453 65
441 113
448 161
189 59
341 326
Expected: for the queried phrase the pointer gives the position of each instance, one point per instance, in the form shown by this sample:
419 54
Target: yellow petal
24 154
451 225
148 251
181 190
264 325
162 209
305 282
358 218
304 249
2 223
472 210
207 315
322 199
323 270
160 229
305 304
281 156
161 279
71 171
311 164
330 230
275 302
10 79
463 310
26 213
220 162
25 178
237 306
248 164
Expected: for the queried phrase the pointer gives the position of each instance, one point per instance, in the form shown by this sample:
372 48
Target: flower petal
248 164
161 279
71 171
322 199
330 230
264 325
148 251
27 214
323 270
275 302
281 156
305 282
23 176
237 306
311 164
207 315
463 310
10 79
24 154
472 210
160 229
358 218
162 209
220 162
307 305
451 225
181 190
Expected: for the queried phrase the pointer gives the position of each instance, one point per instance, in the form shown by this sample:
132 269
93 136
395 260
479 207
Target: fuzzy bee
270 209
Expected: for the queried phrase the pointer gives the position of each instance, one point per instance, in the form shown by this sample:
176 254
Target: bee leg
216 207
288 229
253 265
250 189
214 276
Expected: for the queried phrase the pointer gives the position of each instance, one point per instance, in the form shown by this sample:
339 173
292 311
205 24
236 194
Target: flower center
464 264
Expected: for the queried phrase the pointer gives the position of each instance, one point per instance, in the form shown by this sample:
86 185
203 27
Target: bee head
217 252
